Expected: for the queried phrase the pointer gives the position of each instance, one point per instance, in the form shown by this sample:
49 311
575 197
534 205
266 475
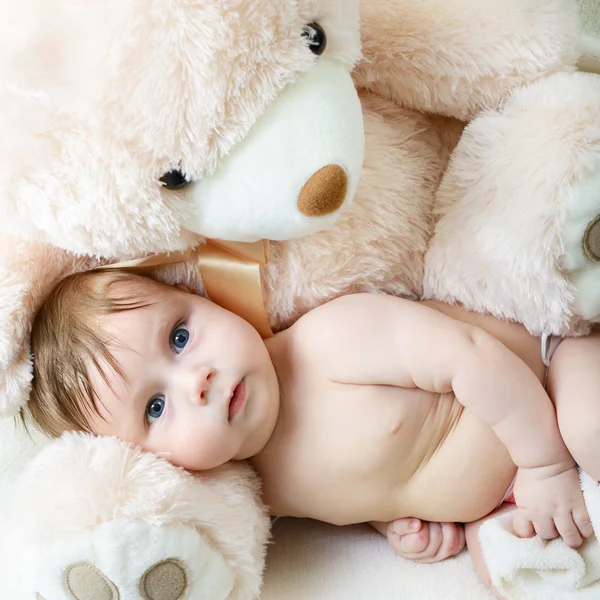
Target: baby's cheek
203 448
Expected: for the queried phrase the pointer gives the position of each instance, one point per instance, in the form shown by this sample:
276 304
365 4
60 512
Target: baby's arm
377 339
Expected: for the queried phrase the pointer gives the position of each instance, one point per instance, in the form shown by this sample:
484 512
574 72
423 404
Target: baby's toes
453 540
408 544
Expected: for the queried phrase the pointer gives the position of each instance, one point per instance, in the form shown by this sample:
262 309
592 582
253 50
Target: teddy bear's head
132 126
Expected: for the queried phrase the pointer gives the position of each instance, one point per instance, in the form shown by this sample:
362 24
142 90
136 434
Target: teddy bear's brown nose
324 192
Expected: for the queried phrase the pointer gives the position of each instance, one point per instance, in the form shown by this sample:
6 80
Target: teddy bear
385 146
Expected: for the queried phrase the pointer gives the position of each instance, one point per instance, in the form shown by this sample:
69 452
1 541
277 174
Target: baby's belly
372 453
467 476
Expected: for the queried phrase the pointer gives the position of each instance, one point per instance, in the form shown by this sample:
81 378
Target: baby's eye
155 409
179 338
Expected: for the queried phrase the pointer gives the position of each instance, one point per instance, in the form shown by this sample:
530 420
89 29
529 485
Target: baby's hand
425 542
550 503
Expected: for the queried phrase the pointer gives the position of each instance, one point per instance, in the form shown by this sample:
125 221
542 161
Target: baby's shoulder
337 334
354 317
355 308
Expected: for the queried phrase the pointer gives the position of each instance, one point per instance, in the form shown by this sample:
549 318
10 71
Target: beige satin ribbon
230 273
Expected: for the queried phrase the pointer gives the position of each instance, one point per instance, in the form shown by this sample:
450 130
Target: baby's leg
574 386
472 537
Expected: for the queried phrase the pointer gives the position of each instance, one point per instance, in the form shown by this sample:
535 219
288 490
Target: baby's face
198 384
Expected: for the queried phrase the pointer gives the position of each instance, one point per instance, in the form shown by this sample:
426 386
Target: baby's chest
347 446
360 427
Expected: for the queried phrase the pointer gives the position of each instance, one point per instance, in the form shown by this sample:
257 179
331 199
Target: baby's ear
28 272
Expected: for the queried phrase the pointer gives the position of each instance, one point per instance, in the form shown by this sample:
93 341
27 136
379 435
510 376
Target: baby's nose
201 384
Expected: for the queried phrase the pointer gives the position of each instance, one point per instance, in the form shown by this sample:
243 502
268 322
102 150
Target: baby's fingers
545 528
568 530
583 522
522 525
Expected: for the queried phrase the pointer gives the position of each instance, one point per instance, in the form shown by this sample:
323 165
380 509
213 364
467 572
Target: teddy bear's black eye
175 180
317 38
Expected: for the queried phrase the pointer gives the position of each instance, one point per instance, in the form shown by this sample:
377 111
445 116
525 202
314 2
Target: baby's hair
67 340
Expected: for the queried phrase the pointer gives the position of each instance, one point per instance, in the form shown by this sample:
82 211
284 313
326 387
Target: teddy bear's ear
28 271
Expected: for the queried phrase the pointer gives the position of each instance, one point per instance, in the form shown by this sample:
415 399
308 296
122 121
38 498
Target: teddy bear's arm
518 229
455 57
27 273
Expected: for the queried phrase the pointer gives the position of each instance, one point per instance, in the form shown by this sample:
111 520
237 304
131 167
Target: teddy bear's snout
324 192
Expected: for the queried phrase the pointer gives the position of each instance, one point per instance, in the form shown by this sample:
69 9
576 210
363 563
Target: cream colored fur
514 204
121 498
99 99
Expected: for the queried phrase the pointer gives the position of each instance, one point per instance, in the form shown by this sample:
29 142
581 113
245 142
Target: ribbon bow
230 273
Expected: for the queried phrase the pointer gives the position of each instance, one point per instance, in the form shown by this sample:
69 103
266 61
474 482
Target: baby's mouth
238 399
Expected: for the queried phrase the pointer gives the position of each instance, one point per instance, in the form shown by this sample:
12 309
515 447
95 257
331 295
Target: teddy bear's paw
591 240
581 241
166 580
517 232
126 525
132 561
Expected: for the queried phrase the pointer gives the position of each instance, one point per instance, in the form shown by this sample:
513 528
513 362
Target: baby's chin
199 462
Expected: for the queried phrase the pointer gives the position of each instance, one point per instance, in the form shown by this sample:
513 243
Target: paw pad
591 240
166 580
85 582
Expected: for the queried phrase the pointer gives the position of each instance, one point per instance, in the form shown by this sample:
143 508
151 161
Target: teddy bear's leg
518 233
124 524
27 273
454 57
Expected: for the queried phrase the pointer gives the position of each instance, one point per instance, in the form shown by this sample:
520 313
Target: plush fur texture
98 100
28 271
455 57
513 208
93 129
107 481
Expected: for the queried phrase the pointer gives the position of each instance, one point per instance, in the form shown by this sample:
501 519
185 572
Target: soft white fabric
264 175
311 560
531 569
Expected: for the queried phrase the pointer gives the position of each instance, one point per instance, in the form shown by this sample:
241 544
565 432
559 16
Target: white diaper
549 345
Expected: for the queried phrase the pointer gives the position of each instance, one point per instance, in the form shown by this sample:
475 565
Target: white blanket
315 561
531 569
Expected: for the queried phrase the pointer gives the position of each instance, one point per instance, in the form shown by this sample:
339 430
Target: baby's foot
424 541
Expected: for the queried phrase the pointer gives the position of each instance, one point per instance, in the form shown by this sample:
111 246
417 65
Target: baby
411 416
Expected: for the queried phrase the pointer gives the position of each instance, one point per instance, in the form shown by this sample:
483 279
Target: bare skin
386 410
